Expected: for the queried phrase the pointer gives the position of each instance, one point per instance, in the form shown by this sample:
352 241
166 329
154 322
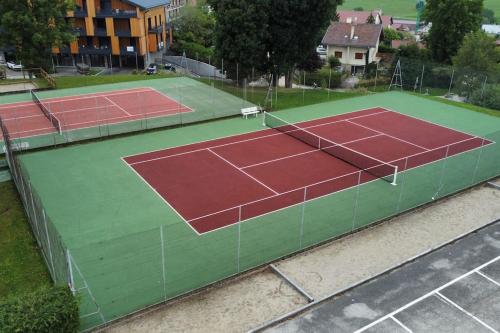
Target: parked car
321 50
152 69
14 66
169 67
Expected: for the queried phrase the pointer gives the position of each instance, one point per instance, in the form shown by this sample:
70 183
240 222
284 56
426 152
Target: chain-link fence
117 109
435 79
123 274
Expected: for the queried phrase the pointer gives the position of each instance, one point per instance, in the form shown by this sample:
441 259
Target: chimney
352 31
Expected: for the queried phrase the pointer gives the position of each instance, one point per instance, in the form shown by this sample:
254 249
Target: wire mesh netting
120 274
81 114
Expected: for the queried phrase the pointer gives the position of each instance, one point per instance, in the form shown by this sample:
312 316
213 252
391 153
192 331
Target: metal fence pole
356 198
48 243
451 81
238 250
402 185
71 281
162 248
301 232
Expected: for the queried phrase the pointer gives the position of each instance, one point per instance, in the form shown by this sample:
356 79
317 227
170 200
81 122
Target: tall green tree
33 27
194 32
451 21
295 28
270 35
241 33
478 53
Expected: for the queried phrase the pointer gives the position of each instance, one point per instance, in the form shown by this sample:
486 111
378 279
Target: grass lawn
22 268
403 8
64 82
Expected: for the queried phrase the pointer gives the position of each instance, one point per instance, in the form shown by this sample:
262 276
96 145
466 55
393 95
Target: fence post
238 250
402 184
48 244
301 234
71 281
451 81
162 247
356 198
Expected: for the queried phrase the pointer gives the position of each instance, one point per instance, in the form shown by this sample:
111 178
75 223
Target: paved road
447 290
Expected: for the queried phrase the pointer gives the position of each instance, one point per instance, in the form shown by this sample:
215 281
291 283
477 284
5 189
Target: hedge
49 309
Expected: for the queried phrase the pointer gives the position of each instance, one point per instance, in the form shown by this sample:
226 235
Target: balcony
116 13
156 30
80 31
104 49
80 12
128 50
123 32
101 32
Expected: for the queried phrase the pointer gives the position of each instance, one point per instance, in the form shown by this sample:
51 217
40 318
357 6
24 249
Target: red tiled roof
340 34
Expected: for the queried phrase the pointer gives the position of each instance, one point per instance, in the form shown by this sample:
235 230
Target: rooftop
363 35
352 16
147 4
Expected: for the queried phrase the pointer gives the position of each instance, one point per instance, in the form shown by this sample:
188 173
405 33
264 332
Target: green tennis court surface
108 234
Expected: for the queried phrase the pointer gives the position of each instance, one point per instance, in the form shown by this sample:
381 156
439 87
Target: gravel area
336 266
246 303
233 307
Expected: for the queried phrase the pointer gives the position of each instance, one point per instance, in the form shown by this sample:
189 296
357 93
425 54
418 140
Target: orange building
116 33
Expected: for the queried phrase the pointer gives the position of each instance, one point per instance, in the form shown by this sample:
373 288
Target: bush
322 77
490 97
49 309
333 62
382 48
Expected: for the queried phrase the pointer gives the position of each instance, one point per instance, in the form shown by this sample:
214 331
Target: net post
264 113
394 179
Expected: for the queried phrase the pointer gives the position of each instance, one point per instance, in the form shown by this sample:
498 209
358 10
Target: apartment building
116 33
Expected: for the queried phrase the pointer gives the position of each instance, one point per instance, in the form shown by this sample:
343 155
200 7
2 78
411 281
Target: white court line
449 301
97 121
229 143
119 107
77 97
431 293
488 278
171 98
402 325
307 152
391 136
242 171
249 132
159 195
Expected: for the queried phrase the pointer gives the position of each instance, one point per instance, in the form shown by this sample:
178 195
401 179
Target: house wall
348 54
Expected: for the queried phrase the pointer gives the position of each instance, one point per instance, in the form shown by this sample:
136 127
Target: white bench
251 110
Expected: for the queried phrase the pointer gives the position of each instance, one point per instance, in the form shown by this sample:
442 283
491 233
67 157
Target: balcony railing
128 50
100 32
118 13
104 49
80 31
156 30
80 12
123 32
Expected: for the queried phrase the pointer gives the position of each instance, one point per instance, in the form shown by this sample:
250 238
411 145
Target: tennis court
140 219
51 115
221 182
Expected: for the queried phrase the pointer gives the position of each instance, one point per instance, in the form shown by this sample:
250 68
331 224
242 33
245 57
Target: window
359 56
338 55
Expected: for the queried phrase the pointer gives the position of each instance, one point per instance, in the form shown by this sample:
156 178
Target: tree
241 35
270 35
194 32
333 62
451 21
390 35
295 28
33 28
370 19
478 53
488 16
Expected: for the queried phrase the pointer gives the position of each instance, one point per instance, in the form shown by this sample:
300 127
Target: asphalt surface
446 290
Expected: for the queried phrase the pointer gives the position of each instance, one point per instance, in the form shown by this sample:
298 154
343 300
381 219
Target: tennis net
373 166
53 119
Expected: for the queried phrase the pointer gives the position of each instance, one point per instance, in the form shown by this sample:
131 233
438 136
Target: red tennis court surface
217 183
25 119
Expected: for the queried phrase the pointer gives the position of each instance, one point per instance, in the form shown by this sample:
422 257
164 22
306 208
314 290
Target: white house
493 29
355 45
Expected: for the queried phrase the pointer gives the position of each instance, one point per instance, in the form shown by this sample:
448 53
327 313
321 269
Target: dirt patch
343 263
244 304
235 307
